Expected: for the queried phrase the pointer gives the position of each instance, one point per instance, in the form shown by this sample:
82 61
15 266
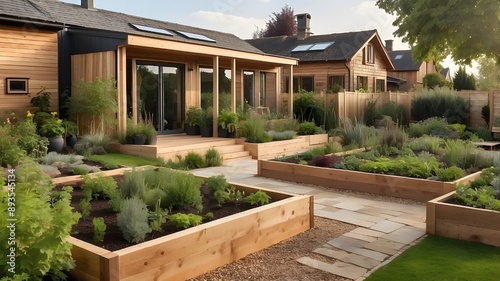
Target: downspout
348 75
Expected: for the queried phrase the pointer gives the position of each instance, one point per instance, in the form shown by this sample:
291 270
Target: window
17 85
380 85
335 82
369 54
305 83
362 84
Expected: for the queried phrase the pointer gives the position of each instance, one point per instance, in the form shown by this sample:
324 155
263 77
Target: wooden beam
140 41
233 85
215 94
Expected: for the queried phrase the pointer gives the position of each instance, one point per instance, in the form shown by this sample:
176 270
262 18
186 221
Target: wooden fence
353 105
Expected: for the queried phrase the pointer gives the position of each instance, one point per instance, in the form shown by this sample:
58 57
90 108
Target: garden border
275 149
388 185
194 251
462 222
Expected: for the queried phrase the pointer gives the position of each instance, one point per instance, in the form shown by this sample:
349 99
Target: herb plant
258 198
185 220
99 229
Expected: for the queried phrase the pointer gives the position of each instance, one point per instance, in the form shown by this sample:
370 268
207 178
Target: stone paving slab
347 243
349 206
340 217
414 223
338 268
386 226
361 261
368 232
328 252
371 254
405 235
360 236
385 246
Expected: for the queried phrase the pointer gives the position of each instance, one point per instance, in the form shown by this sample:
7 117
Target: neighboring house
408 73
353 60
446 73
157 65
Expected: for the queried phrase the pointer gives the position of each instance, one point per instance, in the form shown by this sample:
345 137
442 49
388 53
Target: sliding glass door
160 90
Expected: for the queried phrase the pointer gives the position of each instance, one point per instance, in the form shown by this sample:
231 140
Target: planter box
396 186
194 251
275 149
462 222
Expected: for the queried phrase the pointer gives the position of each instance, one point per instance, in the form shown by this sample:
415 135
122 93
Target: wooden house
408 73
158 65
353 60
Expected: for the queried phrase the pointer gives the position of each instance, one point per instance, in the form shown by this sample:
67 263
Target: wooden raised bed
389 185
462 222
269 150
194 251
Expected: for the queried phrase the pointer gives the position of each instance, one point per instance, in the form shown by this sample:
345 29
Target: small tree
98 100
282 23
433 80
464 81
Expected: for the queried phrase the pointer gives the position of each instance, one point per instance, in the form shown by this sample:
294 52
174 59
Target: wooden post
122 90
233 85
290 93
215 95
278 88
134 91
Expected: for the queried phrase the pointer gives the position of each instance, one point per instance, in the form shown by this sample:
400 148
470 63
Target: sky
242 17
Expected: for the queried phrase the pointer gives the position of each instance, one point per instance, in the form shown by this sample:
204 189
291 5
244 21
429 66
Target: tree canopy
281 23
489 74
464 29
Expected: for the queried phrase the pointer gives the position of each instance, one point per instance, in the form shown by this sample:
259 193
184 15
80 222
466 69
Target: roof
72 15
403 61
445 72
344 47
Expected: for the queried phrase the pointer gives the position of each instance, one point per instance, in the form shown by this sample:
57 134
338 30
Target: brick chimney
303 26
88 4
388 45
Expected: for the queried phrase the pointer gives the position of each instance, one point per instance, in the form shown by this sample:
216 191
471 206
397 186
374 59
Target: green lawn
116 160
443 259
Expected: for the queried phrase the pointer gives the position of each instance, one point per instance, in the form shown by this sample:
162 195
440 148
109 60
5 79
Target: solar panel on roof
302 48
320 46
196 36
151 29
398 57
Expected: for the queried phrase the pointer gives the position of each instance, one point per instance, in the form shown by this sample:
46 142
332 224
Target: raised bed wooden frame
269 150
194 251
462 222
389 185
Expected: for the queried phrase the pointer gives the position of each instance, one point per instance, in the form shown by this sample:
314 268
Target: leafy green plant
213 158
308 128
307 108
485 114
97 143
70 128
185 220
134 185
27 137
281 125
193 160
157 217
450 174
10 153
228 120
99 229
97 100
209 216
133 220
219 187
439 102
51 127
394 110
371 113
284 135
258 198
194 116
41 100
43 225
99 187
253 129
85 207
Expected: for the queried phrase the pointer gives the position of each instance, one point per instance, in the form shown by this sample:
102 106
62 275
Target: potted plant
70 132
149 130
206 126
227 121
53 130
194 118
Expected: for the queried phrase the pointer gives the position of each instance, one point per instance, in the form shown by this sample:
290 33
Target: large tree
464 29
463 80
281 23
489 74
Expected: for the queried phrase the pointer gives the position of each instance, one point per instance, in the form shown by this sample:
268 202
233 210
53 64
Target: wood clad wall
409 76
27 54
477 99
88 67
374 71
321 72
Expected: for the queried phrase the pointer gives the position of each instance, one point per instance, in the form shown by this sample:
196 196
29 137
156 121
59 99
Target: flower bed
191 252
274 149
462 222
389 185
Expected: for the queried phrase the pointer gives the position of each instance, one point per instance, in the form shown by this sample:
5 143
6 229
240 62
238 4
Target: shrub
435 80
281 125
134 185
253 129
28 138
485 114
218 186
426 143
194 116
99 187
308 128
258 198
94 143
153 195
83 169
185 220
450 174
483 133
133 220
213 158
53 157
43 225
371 113
306 108
285 135
351 133
99 229
394 110
193 160
440 102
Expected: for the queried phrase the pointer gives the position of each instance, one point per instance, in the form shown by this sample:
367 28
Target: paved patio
385 229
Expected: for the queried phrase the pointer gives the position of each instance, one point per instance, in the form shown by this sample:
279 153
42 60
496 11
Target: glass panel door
160 90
